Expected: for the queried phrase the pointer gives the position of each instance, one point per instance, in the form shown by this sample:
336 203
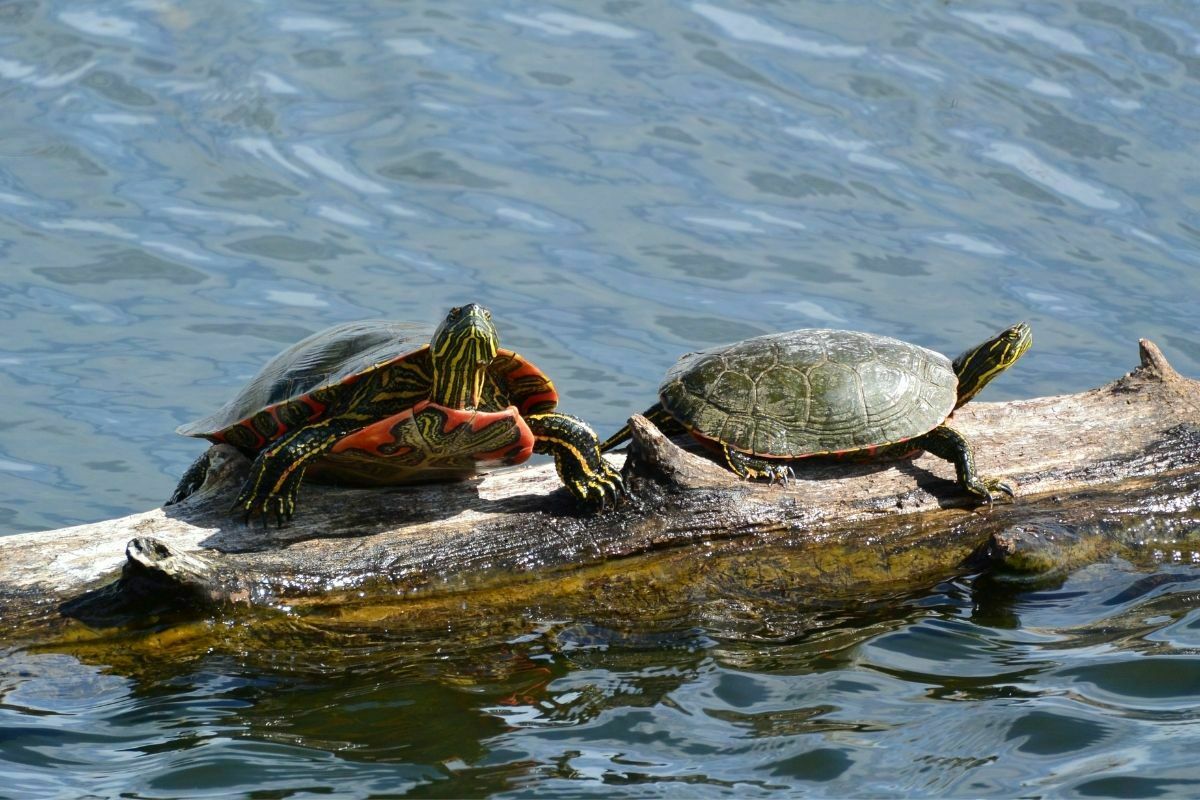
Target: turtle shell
810 392
316 377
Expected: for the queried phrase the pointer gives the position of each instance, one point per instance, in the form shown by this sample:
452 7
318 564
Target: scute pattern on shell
319 360
811 391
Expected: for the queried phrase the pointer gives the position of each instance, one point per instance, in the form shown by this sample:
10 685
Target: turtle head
460 351
976 367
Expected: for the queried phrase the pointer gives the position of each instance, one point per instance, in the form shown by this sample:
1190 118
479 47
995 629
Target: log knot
220 469
651 454
155 579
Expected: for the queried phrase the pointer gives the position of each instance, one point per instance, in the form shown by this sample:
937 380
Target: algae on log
1099 462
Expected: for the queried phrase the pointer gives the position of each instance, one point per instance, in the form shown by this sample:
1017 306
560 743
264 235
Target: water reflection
910 696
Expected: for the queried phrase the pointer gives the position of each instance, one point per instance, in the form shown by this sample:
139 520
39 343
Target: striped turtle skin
380 402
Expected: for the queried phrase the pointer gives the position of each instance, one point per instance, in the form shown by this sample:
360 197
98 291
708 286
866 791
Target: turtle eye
454 312
487 314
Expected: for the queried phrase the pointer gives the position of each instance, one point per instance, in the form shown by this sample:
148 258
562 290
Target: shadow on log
1111 471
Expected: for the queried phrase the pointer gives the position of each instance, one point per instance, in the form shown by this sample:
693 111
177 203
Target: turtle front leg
748 467
576 451
277 471
945 442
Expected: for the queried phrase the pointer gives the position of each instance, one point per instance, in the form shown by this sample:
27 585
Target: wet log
1100 473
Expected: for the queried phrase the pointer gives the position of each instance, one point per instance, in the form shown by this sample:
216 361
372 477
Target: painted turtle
380 402
765 401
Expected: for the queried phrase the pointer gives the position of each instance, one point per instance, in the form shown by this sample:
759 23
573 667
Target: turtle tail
661 418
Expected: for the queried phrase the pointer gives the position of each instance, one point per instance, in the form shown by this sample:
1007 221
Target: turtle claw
773 474
281 514
603 492
615 492
278 502
780 473
752 468
582 469
988 489
274 506
1001 486
594 484
1007 487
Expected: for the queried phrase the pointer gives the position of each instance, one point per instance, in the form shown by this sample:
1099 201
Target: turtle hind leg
748 467
576 450
658 415
191 481
945 442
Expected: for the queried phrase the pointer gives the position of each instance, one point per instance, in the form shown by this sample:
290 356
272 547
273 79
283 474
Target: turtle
381 402
770 400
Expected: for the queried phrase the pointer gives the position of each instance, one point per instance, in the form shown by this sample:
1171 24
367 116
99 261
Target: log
1097 472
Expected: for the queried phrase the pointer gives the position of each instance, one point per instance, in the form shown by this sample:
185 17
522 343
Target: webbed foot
269 493
748 467
585 473
599 486
989 489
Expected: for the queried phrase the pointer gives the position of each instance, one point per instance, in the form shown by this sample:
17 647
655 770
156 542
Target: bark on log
1113 456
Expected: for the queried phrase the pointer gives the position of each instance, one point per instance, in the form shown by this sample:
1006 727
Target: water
185 189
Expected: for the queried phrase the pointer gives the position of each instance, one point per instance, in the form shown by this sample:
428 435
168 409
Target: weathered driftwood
1124 451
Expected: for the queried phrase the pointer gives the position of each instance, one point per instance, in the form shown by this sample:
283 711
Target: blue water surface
186 188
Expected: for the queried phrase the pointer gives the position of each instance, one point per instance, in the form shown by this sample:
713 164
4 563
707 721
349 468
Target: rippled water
973 688
187 188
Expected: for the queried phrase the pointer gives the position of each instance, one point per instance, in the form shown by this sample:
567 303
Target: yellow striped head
976 367
461 349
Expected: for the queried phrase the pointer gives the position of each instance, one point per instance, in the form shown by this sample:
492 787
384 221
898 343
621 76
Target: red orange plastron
400 433
379 437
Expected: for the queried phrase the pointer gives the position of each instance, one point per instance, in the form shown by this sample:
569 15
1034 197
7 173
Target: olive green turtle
770 400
